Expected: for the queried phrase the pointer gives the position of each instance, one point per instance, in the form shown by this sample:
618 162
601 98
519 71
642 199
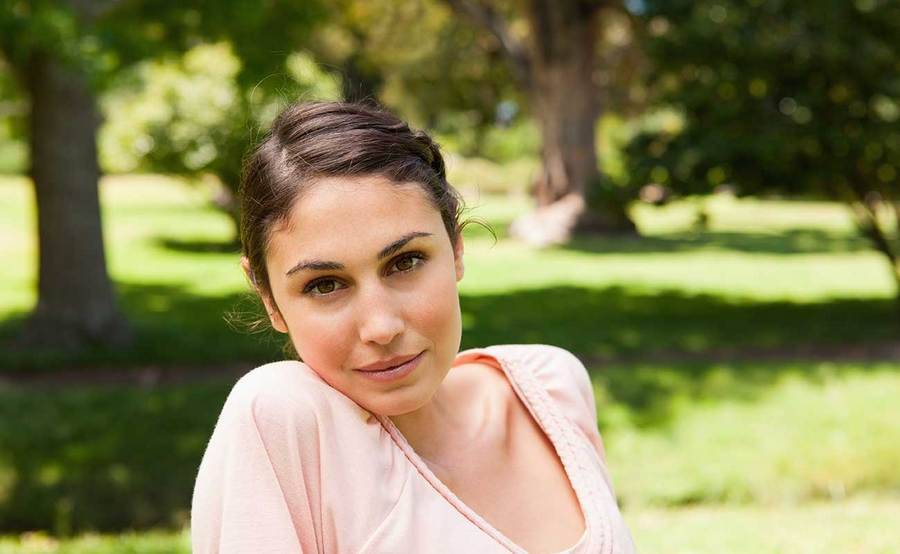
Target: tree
63 52
555 64
245 50
190 115
76 302
799 98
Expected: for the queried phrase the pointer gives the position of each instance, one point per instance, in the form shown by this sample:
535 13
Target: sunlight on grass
859 526
152 542
750 432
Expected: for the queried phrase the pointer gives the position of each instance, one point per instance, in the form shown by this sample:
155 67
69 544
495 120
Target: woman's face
364 272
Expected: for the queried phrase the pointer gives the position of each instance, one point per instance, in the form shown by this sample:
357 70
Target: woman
385 438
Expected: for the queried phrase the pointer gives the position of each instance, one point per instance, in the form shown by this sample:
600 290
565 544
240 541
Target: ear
458 258
275 317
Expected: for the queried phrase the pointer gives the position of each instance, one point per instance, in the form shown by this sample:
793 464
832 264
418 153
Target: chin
399 402
405 399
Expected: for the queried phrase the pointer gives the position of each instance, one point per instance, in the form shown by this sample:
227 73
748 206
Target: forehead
337 215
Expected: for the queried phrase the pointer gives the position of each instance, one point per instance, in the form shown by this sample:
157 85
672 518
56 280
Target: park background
698 198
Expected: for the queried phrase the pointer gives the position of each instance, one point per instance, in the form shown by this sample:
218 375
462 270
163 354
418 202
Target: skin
374 309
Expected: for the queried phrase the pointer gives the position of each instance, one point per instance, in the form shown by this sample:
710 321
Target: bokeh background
698 198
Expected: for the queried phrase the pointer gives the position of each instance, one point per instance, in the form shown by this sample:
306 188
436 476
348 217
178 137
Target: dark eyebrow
320 265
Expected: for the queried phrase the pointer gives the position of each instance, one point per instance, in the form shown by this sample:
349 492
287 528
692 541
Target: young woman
381 437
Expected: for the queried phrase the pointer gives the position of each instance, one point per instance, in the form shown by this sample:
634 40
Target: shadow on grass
617 322
102 458
176 327
173 327
794 241
113 457
199 246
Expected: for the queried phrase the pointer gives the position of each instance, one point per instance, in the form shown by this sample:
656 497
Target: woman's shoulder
557 371
548 363
288 391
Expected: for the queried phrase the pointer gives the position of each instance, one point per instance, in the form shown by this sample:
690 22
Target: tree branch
486 16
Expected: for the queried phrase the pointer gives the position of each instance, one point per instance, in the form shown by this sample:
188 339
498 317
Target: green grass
711 449
153 542
110 457
765 274
858 526
749 432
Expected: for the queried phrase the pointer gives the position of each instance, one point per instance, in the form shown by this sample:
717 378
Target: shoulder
550 364
559 372
273 388
285 397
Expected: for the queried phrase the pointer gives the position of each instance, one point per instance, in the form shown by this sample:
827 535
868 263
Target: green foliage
29 26
201 105
521 139
13 151
776 96
189 115
420 60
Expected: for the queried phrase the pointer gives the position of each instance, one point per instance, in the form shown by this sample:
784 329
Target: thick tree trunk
76 302
564 99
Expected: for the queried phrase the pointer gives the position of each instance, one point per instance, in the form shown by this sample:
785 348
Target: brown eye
409 262
321 287
324 287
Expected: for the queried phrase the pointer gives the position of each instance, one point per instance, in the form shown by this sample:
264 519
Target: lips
389 363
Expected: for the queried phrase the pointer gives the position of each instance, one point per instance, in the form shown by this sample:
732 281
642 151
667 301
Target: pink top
296 466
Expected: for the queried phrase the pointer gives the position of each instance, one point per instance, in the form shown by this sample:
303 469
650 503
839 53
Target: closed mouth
394 363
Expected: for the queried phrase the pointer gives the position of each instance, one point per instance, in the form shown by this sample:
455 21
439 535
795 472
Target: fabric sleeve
587 419
257 488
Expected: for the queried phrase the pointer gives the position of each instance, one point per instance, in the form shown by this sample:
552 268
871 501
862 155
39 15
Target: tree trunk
76 303
359 83
564 99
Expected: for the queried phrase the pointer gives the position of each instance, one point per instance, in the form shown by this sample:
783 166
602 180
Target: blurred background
698 198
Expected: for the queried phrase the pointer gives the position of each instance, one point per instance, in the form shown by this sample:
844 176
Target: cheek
323 341
435 312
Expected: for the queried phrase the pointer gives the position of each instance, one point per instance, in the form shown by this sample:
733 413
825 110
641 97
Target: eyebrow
322 265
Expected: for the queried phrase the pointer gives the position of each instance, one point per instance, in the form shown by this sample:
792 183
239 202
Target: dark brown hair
314 140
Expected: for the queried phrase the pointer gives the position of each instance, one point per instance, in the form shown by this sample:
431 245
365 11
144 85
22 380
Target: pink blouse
293 465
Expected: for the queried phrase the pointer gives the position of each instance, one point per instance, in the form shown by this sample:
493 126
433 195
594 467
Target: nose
380 317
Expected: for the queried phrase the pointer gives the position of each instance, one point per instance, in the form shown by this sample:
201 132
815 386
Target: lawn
720 436
766 274
857 526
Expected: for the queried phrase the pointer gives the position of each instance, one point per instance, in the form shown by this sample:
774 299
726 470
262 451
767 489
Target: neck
443 425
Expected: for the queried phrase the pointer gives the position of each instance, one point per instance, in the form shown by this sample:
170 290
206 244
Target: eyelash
310 287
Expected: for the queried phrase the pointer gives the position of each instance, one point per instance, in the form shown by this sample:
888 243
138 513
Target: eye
321 287
327 286
409 261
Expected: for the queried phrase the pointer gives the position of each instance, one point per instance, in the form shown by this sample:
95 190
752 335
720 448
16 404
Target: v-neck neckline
563 455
